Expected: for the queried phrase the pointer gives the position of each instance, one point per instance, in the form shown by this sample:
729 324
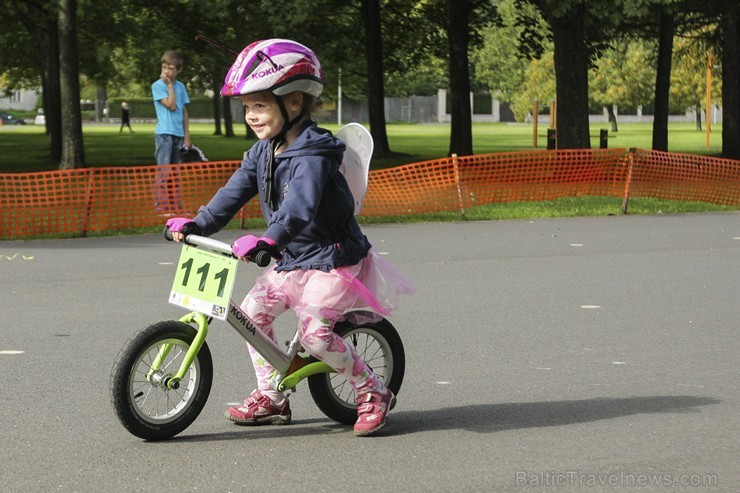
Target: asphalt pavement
586 354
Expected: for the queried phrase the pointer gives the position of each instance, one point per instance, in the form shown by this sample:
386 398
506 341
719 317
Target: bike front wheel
147 405
379 344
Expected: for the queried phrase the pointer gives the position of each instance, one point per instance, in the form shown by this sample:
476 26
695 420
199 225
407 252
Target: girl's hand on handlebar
246 247
181 227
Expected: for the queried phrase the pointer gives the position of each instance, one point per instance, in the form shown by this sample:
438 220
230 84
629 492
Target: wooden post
552 113
457 185
553 123
628 181
535 113
90 195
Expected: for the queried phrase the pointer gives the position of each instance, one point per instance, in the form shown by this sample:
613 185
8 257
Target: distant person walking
125 117
172 132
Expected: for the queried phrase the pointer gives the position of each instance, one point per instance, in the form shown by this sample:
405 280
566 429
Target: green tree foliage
689 74
507 48
538 84
623 76
30 57
526 42
425 80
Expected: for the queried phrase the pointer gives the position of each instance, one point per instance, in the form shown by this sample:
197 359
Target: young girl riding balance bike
326 266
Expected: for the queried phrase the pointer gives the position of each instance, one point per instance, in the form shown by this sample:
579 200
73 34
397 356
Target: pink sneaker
372 408
258 409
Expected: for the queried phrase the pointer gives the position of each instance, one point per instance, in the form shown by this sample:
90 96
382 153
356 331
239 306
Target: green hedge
200 107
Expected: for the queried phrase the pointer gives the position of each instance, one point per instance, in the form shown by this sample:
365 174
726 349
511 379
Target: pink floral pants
318 299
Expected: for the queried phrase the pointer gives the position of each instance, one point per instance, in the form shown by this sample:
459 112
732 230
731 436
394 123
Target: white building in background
23 99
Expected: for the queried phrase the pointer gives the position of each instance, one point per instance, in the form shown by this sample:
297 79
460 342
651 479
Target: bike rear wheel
146 406
379 344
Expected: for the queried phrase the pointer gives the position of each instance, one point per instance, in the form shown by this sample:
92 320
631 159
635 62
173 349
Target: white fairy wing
356 163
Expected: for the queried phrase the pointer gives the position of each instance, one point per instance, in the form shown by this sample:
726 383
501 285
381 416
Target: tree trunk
612 117
458 34
50 87
228 117
101 99
69 79
216 85
663 81
698 113
375 85
731 82
571 78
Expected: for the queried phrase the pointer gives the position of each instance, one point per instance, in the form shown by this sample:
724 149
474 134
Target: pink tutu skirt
372 286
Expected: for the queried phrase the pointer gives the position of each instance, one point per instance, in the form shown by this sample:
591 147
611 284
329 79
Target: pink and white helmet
280 66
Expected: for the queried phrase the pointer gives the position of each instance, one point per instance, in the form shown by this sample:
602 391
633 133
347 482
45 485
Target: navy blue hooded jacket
313 223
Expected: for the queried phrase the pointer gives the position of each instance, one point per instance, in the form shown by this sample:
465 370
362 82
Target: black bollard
604 139
552 139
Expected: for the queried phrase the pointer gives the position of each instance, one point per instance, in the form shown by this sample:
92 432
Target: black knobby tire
145 406
379 344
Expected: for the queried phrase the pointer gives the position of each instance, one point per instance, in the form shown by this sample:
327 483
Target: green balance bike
162 376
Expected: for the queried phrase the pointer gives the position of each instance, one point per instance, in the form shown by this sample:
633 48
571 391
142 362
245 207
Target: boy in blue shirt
172 131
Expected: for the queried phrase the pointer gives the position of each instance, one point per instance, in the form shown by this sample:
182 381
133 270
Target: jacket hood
314 141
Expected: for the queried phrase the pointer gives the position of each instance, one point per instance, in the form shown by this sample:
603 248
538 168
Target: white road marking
11 351
13 257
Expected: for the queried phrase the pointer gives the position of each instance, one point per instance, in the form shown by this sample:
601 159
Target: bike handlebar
262 258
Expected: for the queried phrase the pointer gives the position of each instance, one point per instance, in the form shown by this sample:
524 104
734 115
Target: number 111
203 271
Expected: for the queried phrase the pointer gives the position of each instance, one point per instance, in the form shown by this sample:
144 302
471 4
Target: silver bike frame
258 339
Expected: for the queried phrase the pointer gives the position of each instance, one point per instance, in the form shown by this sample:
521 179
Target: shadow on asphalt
491 418
480 418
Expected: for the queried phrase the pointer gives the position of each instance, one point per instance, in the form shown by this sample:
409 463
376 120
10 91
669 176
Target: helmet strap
287 122
277 141
270 171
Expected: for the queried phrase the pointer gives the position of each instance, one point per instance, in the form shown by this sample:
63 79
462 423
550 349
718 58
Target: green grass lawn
25 148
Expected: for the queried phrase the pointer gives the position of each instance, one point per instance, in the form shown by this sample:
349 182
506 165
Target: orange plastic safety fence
77 202
684 177
457 183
